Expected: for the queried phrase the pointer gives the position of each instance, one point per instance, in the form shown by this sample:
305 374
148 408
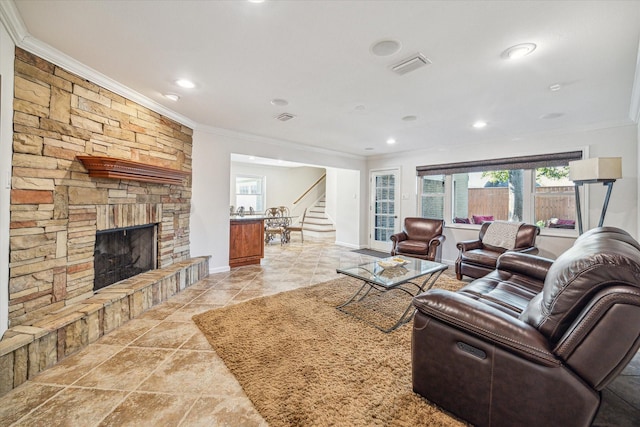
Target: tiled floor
159 370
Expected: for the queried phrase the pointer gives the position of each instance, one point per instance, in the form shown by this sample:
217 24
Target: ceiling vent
285 117
411 63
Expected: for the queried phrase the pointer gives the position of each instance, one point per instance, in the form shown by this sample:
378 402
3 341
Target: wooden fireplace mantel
109 167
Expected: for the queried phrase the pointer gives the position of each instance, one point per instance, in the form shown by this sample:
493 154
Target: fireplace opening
124 252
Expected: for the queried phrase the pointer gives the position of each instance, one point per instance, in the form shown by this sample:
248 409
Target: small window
432 196
250 192
554 199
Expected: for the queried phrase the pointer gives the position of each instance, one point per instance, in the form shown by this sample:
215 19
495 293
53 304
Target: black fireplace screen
123 253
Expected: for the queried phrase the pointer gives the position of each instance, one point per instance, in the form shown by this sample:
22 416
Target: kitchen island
246 240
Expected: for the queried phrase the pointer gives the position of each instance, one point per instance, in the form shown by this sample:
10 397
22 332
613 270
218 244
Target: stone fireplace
59 207
123 253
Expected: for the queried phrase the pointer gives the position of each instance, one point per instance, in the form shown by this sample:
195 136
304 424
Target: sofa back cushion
525 238
423 229
596 261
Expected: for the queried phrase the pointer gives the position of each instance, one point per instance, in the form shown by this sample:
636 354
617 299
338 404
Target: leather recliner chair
475 258
534 342
420 238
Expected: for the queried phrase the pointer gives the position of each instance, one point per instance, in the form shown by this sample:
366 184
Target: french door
384 208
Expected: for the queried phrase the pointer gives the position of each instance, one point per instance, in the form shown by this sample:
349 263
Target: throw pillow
479 219
458 220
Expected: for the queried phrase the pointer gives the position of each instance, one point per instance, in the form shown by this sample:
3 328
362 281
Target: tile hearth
159 369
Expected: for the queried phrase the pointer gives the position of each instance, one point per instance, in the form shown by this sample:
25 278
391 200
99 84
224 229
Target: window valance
507 163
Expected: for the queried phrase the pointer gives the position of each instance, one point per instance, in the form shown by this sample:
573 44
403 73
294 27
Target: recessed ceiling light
385 47
391 141
252 158
279 102
555 87
410 118
172 96
519 50
256 1
480 124
187 84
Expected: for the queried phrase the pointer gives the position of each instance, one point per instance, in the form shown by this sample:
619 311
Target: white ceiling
317 55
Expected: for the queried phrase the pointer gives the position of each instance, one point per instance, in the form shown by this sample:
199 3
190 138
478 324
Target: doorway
384 208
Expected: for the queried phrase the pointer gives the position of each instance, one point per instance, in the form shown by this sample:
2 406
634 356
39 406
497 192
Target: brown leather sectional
535 341
476 259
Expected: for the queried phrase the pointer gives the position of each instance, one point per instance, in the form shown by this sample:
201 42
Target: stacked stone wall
56 208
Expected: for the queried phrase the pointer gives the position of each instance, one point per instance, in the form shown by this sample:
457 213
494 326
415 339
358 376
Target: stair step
315 217
318 226
327 229
317 221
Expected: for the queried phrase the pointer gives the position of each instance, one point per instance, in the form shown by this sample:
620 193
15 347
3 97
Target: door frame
374 244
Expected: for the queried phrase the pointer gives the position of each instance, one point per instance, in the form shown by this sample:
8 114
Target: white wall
348 206
331 198
621 141
7 52
212 150
284 184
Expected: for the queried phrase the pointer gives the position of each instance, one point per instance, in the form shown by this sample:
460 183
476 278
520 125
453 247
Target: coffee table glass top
373 272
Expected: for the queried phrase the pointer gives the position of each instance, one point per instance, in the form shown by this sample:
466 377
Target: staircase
317 224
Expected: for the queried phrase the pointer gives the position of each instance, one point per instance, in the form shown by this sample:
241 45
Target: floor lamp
603 170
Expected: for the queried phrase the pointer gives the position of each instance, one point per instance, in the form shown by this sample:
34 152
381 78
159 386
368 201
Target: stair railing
315 184
298 206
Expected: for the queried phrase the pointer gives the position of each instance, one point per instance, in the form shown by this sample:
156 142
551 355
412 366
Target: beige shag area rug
304 363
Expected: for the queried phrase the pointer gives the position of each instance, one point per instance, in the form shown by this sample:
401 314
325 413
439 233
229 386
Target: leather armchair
535 341
420 238
476 259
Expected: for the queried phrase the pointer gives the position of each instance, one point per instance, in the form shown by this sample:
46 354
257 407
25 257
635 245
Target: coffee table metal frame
395 278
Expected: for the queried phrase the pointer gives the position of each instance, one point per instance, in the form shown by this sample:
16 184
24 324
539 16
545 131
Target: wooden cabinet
246 243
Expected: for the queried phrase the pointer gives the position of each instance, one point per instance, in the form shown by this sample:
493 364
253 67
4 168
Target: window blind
507 163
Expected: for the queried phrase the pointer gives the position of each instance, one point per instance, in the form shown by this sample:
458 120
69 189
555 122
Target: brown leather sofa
475 258
535 341
420 238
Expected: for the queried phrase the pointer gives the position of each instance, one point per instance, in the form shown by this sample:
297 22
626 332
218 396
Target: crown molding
14 25
12 21
273 141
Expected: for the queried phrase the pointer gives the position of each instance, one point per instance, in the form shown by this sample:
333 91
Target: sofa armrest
399 237
488 323
533 250
524 263
467 245
437 241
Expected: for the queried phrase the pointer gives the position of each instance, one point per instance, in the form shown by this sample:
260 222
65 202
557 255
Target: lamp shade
596 169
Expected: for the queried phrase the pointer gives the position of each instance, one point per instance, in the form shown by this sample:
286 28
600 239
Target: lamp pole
605 205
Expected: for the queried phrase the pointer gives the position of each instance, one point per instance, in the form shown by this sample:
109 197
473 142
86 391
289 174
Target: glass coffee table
412 277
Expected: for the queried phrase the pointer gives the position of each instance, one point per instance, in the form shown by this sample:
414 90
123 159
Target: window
487 196
432 197
554 198
532 189
250 192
